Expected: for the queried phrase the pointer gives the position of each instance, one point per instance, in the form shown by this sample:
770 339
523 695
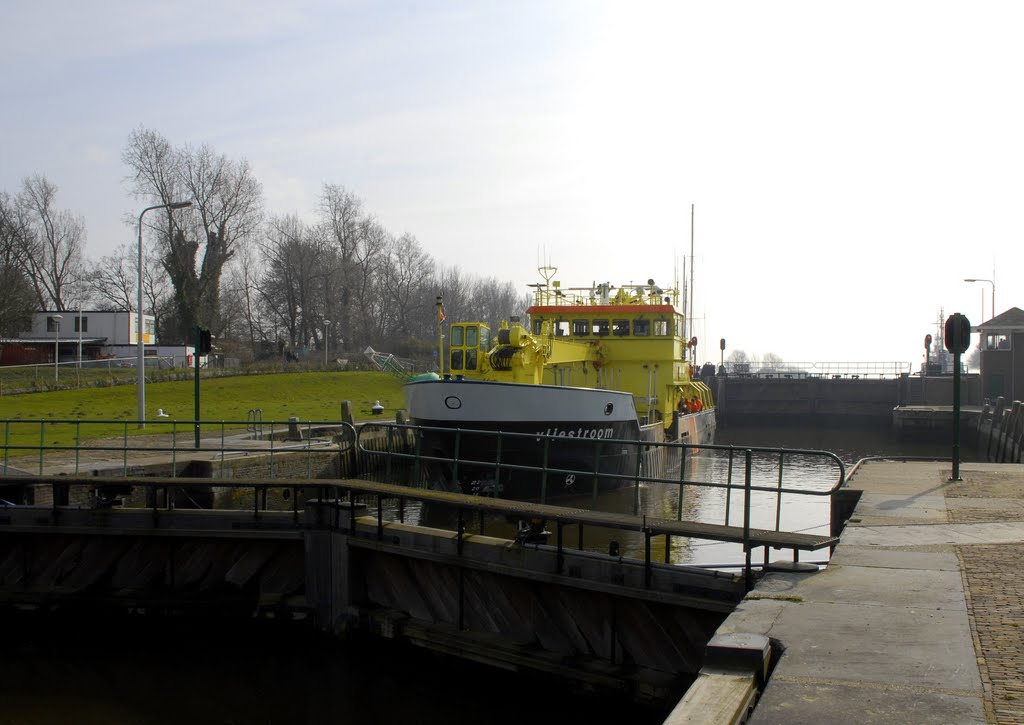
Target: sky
845 165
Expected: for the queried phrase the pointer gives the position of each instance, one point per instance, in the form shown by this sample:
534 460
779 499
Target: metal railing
827 370
406 460
70 447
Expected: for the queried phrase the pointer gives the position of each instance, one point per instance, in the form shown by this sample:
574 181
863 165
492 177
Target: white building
91 335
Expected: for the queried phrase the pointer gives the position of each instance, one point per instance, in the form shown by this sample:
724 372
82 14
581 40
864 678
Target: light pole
140 327
326 324
56 347
993 312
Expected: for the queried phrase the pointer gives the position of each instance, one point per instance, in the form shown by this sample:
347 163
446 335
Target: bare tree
292 256
227 211
342 226
112 281
52 243
18 298
408 267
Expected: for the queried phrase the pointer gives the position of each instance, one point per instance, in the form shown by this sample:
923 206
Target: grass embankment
310 396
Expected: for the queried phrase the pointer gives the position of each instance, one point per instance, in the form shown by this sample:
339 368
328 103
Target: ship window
561 328
471 336
538 324
457 335
620 327
581 328
600 328
470 359
641 328
485 338
661 327
456 360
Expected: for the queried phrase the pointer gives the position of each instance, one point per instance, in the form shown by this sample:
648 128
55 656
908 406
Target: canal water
96 669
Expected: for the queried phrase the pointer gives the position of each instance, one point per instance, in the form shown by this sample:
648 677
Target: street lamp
56 346
983 299
140 327
326 323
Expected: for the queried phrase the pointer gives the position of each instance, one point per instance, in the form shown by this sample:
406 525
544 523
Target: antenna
690 306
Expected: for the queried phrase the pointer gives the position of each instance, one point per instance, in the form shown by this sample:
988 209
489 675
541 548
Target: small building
74 335
1002 369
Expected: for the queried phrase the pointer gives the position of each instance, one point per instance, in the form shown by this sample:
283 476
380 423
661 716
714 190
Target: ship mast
688 325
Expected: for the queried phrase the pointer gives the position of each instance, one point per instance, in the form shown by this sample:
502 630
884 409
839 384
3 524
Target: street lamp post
140 327
56 347
993 312
326 324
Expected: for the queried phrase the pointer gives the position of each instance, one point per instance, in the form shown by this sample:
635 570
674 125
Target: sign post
957 338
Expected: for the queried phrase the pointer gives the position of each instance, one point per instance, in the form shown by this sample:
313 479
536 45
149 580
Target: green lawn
310 396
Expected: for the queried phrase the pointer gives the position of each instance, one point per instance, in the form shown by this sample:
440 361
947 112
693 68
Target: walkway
918 618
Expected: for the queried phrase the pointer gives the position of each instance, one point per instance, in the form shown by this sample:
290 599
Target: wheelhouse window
471 359
561 328
580 328
661 328
485 338
456 360
537 323
600 328
457 335
471 336
620 328
641 328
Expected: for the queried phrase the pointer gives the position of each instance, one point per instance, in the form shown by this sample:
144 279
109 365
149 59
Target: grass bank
311 396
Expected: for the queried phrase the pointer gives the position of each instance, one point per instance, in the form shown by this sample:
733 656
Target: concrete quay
918 617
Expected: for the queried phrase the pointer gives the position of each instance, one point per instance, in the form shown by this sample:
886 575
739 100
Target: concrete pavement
918 617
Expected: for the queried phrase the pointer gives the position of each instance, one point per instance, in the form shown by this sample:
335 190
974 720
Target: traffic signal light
205 342
958 333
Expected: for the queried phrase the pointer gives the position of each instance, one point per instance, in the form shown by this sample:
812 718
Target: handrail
819 369
342 493
400 444
418 458
163 438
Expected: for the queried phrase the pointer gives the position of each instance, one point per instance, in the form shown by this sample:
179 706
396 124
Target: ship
562 403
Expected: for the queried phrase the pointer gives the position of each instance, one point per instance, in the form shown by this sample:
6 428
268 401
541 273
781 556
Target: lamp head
179 205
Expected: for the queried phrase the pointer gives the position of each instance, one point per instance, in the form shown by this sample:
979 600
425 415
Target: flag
440 313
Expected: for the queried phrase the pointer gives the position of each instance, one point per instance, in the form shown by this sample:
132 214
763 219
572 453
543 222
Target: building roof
1010 321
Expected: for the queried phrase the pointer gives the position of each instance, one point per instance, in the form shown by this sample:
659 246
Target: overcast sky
849 164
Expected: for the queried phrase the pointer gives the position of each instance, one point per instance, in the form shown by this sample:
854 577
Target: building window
997 342
84 324
51 324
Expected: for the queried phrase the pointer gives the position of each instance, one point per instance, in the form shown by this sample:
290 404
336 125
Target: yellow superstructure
627 338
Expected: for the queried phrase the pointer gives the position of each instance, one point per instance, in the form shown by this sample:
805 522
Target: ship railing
748 472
